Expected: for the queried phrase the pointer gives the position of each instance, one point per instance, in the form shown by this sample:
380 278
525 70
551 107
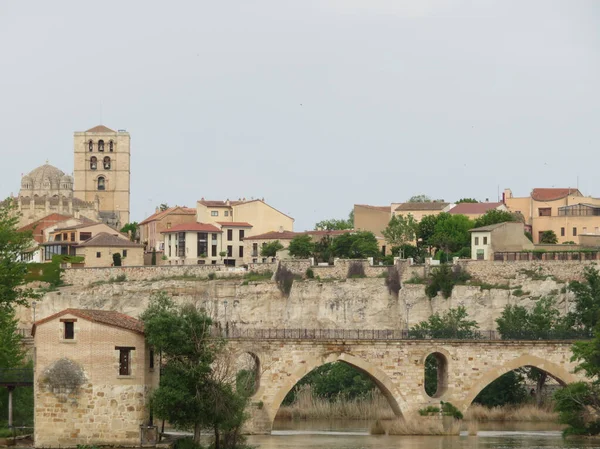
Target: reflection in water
340 434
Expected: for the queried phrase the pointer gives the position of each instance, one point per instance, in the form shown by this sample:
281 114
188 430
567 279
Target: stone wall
339 270
499 272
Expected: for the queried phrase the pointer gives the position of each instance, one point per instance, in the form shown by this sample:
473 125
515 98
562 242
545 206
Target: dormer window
111 146
91 145
101 145
106 163
93 163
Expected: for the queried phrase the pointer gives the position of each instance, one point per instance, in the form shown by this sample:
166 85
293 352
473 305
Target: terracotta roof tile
274 235
473 208
163 213
553 194
235 224
104 239
432 205
379 208
108 317
192 227
100 129
38 226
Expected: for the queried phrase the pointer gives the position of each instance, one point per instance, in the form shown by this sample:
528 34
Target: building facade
152 227
500 237
102 173
93 375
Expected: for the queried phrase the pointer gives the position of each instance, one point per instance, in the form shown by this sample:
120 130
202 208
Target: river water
341 434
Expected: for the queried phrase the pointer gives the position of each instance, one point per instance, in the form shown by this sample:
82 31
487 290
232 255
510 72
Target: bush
253 276
444 278
356 270
310 274
212 275
392 281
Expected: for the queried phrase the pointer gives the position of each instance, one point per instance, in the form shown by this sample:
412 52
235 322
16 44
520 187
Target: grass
416 279
519 292
423 426
253 276
309 406
522 413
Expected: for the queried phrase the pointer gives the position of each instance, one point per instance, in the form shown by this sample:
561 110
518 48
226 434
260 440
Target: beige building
152 227
92 378
476 210
102 172
371 218
420 210
260 215
565 211
192 244
501 237
98 251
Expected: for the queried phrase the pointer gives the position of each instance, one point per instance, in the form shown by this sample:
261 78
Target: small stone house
500 237
98 251
92 377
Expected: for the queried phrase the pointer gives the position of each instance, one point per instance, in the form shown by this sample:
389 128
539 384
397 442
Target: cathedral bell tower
102 170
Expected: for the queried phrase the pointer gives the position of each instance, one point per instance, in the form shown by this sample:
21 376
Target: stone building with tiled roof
93 376
152 227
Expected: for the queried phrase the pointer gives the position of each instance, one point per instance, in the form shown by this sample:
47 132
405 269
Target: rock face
342 304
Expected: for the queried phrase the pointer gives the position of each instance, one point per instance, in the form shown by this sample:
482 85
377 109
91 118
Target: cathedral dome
46 177
26 182
66 179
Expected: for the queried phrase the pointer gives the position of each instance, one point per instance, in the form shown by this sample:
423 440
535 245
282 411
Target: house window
476 240
241 253
241 235
101 145
214 262
226 213
229 251
229 235
124 360
73 236
168 225
181 246
254 249
98 255
101 183
562 232
93 163
202 249
255 260
574 232
124 253
545 211
214 213
214 238
213 250
83 236
69 327
485 240
151 357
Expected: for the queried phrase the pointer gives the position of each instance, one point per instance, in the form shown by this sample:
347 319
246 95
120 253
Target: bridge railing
16 376
394 334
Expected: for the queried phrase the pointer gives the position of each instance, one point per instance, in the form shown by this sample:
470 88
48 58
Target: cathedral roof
46 171
100 129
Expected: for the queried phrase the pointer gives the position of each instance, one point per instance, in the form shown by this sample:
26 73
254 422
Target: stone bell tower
102 172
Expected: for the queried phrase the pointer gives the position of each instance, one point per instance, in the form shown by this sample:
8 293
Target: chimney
227 202
280 229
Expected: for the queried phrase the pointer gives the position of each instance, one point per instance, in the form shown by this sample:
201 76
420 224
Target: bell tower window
101 183
101 145
111 146
106 163
91 145
93 163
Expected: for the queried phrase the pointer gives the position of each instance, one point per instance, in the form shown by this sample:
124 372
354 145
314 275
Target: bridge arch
554 370
383 382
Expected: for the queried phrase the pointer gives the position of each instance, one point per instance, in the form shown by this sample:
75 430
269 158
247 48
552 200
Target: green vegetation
310 274
270 249
507 389
518 292
253 276
133 228
400 230
443 279
355 245
451 325
195 391
302 246
335 224
467 200
549 237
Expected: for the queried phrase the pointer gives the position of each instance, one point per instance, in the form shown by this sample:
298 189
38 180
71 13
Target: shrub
392 281
212 275
356 270
444 278
450 410
253 276
119 278
310 274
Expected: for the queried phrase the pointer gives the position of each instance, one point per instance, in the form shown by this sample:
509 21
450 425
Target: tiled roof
192 227
108 317
79 226
432 205
235 224
328 232
100 129
104 239
379 208
473 208
274 235
163 213
553 194
491 227
38 226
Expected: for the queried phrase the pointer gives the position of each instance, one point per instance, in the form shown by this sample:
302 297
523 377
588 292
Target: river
341 434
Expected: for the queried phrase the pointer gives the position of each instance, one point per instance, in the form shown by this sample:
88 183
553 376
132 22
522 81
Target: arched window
101 183
93 163
91 145
111 146
101 145
106 163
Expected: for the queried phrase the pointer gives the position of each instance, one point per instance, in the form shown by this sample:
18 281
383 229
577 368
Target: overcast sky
313 105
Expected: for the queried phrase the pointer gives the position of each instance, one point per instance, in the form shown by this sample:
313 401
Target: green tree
507 389
192 391
495 216
133 228
400 230
302 246
336 224
355 245
453 324
467 200
270 249
549 237
11 348
451 232
12 269
426 229
587 300
419 199
323 251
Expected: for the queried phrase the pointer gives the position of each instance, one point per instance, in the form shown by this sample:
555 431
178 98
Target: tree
270 249
355 245
467 200
426 229
302 246
419 199
453 324
117 259
335 224
11 348
495 216
323 251
587 300
507 389
549 237
12 269
400 230
451 232
195 389
133 228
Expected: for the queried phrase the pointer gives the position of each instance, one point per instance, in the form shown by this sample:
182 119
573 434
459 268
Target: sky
312 105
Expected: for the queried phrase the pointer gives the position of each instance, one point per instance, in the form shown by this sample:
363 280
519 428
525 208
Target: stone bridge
395 365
